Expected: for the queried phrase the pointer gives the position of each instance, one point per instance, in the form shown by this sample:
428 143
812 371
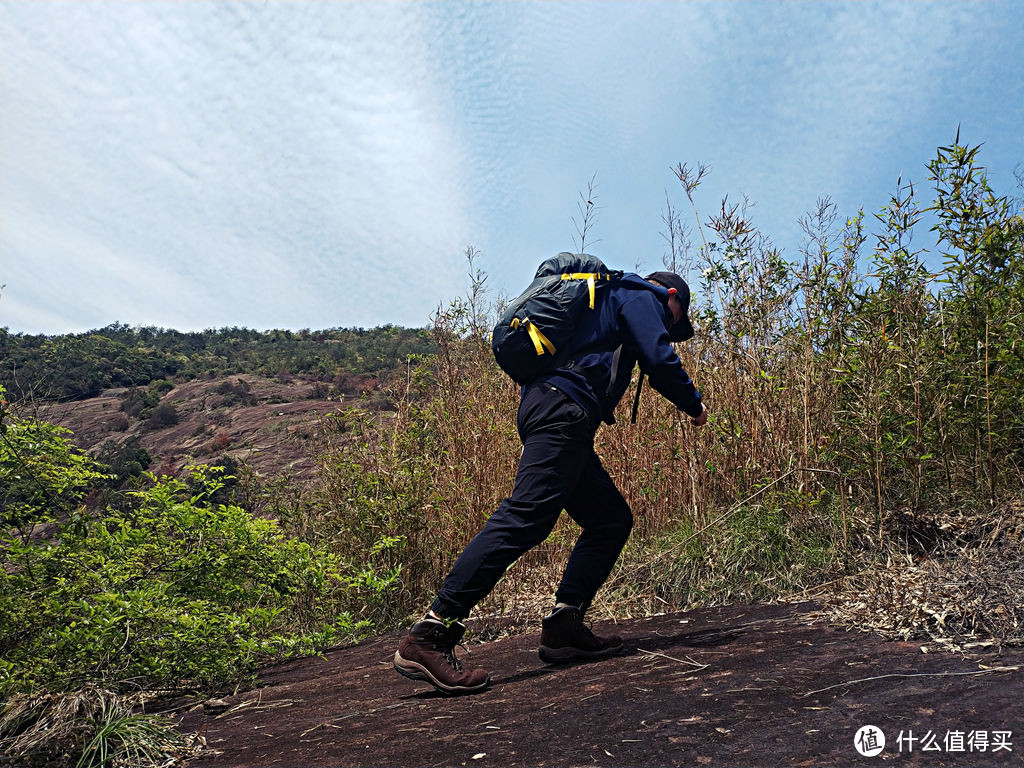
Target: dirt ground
736 686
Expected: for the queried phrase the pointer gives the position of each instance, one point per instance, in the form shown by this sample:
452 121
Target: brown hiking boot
428 653
564 638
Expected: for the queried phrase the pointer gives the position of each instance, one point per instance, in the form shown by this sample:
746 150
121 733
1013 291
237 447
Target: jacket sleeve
643 319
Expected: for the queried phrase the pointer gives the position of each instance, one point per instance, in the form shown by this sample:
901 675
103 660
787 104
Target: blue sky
291 164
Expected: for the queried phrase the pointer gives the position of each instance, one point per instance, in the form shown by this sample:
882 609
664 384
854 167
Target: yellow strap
540 341
590 277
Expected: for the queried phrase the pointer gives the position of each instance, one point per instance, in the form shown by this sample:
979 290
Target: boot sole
567 655
415 671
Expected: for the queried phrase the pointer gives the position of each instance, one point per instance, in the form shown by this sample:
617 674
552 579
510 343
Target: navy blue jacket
629 325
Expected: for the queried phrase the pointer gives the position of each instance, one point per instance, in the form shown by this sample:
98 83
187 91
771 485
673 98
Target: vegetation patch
89 727
964 598
169 590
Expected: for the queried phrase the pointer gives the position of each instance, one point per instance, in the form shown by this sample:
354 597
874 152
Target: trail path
736 686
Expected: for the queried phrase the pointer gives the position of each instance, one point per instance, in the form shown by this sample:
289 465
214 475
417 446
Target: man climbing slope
635 322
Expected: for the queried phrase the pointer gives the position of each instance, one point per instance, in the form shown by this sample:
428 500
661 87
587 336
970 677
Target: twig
242 705
331 723
328 724
810 590
916 674
688 662
278 704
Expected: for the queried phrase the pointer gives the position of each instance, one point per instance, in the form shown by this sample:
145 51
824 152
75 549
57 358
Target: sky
196 164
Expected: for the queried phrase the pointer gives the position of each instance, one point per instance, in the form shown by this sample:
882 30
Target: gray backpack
536 333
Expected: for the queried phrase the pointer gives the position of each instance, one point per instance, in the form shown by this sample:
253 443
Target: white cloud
203 140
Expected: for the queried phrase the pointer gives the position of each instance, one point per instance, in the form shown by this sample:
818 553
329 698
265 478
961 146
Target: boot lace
449 655
585 627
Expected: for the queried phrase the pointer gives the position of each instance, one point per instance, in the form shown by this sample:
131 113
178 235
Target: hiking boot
564 638
428 653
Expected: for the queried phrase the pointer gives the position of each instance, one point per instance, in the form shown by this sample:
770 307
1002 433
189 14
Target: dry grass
89 727
968 597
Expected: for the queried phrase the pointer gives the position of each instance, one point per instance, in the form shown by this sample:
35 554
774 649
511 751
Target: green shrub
172 589
139 402
175 591
40 473
125 461
164 415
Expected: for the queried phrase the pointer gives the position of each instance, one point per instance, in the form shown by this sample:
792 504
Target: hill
146 397
79 366
271 424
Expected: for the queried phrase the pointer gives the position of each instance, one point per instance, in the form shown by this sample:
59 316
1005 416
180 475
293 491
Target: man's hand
701 420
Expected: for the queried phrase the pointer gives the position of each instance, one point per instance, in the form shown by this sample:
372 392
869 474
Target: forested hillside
77 366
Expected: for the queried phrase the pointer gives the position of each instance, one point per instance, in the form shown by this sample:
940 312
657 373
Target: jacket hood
681 331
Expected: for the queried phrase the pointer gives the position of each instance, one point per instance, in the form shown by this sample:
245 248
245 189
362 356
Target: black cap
682 330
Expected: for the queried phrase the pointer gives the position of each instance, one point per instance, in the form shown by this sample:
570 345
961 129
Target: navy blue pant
559 470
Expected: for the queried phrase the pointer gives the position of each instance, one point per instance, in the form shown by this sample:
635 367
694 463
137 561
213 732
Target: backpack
536 332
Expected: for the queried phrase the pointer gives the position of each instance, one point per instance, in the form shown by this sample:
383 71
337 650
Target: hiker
636 321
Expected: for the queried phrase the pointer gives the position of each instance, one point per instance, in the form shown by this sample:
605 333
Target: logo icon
869 740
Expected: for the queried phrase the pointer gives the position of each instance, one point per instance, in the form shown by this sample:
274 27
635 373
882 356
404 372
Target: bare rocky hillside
271 424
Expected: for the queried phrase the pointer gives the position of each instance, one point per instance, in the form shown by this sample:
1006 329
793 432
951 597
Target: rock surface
734 686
